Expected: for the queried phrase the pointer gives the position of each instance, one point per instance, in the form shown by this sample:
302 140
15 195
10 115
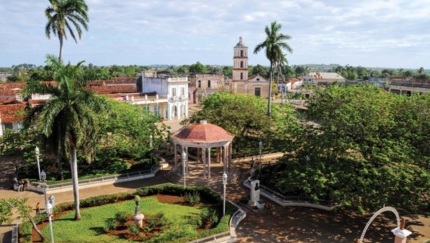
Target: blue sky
377 33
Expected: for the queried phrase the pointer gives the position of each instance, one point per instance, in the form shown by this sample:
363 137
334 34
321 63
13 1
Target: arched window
241 76
199 84
209 83
241 64
241 53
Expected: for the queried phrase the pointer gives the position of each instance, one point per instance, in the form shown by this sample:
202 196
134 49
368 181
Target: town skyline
387 34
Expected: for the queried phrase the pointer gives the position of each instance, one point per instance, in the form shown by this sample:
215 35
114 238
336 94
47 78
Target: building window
182 91
209 83
241 53
241 76
174 92
257 91
241 64
199 84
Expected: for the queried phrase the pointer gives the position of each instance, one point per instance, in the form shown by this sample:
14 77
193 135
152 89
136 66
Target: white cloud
180 32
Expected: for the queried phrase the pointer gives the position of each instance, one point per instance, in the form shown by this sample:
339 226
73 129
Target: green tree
274 44
198 68
227 71
259 70
67 119
62 15
366 149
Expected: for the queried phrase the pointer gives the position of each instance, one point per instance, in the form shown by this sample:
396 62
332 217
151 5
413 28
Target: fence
292 200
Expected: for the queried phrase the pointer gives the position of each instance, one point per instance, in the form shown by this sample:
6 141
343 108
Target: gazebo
204 136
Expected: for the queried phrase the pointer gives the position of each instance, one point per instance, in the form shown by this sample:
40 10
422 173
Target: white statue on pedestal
255 193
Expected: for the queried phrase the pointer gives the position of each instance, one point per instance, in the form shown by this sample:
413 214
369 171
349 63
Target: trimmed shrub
134 229
193 198
110 224
25 229
121 218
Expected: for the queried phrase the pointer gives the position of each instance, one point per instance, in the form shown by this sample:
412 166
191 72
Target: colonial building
208 81
241 83
164 95
321 78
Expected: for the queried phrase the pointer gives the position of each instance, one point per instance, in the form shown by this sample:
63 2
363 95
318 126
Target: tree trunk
60 166
60 57
74 170
42 237
269 108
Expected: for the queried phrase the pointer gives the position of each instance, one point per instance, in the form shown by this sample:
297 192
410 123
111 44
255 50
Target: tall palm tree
62 16
67 119
274 44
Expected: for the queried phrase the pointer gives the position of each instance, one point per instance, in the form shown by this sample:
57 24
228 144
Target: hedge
25 229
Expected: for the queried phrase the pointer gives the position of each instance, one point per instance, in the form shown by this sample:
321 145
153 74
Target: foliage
110 224
134 229
62 15
7 207
193 198
253 125
273 45
198 68
121 218
67 120
367 148
95 222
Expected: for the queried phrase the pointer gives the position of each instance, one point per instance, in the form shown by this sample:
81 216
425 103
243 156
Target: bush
134 229
121 218
244 200
110 224
152 223
193 198
25 229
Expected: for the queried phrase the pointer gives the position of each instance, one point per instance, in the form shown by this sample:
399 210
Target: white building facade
171 95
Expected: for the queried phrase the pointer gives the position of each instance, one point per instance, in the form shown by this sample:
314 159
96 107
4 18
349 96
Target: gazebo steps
173 177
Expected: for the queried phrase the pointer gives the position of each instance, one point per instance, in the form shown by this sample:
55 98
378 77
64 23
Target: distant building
241 83
4 75
163 94
207 81
322 78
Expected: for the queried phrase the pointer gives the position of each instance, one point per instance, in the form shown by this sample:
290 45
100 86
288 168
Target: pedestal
255 193
138 218
401 236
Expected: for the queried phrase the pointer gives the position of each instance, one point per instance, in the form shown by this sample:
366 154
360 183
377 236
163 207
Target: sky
370 33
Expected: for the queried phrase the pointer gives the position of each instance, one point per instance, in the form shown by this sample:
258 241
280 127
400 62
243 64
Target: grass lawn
90 227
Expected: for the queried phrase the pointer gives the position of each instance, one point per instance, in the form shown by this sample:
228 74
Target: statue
402 224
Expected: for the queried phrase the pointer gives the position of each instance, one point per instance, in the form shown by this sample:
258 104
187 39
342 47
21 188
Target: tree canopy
367 148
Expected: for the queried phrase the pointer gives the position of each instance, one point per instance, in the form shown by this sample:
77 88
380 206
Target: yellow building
241 83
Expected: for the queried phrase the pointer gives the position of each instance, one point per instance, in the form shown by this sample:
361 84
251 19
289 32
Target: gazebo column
204 162
217 154
198 155
174 152
209 162
225 159
230 153
187 170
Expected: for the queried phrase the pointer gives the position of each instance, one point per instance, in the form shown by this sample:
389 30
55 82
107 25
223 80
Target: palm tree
62 16
67 119
274 43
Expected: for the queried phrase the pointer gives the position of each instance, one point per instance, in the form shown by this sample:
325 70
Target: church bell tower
240 62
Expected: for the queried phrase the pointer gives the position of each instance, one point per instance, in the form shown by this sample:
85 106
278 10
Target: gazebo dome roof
203 132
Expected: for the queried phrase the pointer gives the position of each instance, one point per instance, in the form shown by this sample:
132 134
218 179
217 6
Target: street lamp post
43 178
49 212
260 145
224 182
184 158
37 159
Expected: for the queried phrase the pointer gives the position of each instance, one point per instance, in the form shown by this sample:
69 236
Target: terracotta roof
112 89
7 85
119 80
12 113
204 133
8 101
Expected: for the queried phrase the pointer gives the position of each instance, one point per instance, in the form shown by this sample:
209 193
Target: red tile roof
12 113
203 133
112 89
